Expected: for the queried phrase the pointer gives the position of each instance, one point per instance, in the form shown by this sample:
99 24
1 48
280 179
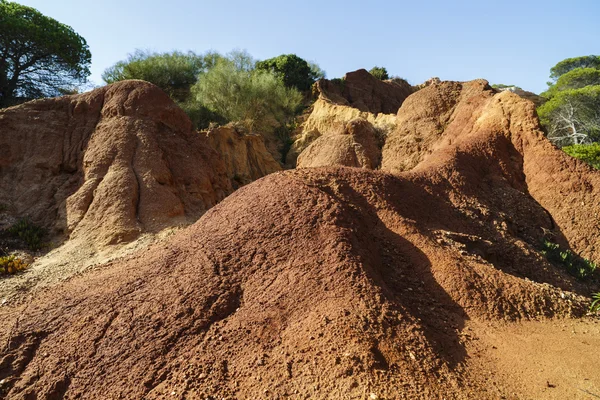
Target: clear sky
503 41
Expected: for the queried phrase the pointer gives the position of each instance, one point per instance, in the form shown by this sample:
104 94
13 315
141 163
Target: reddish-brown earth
108 164
361 90
344 282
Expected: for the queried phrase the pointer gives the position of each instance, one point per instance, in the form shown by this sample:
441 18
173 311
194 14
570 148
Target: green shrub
595 306
28 233
11 265
379 73
590 153
258 99
293 70
575 265
173 72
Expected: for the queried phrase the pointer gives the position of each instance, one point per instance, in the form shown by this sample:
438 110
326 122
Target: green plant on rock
590 153
29 233
11 265
379 73
595 306
579 267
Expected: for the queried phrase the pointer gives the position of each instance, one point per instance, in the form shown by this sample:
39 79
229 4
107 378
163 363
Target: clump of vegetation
236 91
293 70
570 116
379 73
39 56
595 306
590 153
30 234
579 267
11 265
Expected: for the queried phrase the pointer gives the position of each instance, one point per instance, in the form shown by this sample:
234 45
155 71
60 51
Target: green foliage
590 153
575 79
28 233
38 55
575 265
570 64
595 306
572 116
257 98
173 72
293 70
379 73
11 265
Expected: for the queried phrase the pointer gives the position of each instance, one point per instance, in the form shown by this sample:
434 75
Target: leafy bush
11 265
590 153
293 70
595 306
173 72
575 265
256 98
379 73
29 233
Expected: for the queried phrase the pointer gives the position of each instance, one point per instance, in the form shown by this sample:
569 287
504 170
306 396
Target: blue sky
503 41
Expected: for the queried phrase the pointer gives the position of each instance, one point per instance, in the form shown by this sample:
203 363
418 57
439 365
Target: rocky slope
358 95
333 282
245 156
108 164
121 160
357 144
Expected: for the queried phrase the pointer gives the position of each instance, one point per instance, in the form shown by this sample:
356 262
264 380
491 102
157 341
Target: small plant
579 267
380 73
11 265
595 306
29 233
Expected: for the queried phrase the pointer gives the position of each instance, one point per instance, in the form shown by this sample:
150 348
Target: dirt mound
332 282
361 90
327 118
245 156
357 145
108 164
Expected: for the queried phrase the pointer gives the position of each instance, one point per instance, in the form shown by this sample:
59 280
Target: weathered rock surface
108 164
356 145
245 156
360 95
333 282
361 90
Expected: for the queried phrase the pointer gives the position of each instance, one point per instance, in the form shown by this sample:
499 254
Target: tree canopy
571 116
379 73
570 64
39 56
293 70
173 72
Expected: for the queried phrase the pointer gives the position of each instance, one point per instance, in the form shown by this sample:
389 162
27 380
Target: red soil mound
356 145
325 283
360 89
108 164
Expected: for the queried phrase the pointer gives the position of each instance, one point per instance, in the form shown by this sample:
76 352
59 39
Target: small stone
373 396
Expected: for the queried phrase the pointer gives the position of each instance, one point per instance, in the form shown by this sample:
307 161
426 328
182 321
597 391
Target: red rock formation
356 145
108 164
332 282
245 156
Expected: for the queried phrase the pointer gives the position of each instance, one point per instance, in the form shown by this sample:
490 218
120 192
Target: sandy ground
551 359
69 260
